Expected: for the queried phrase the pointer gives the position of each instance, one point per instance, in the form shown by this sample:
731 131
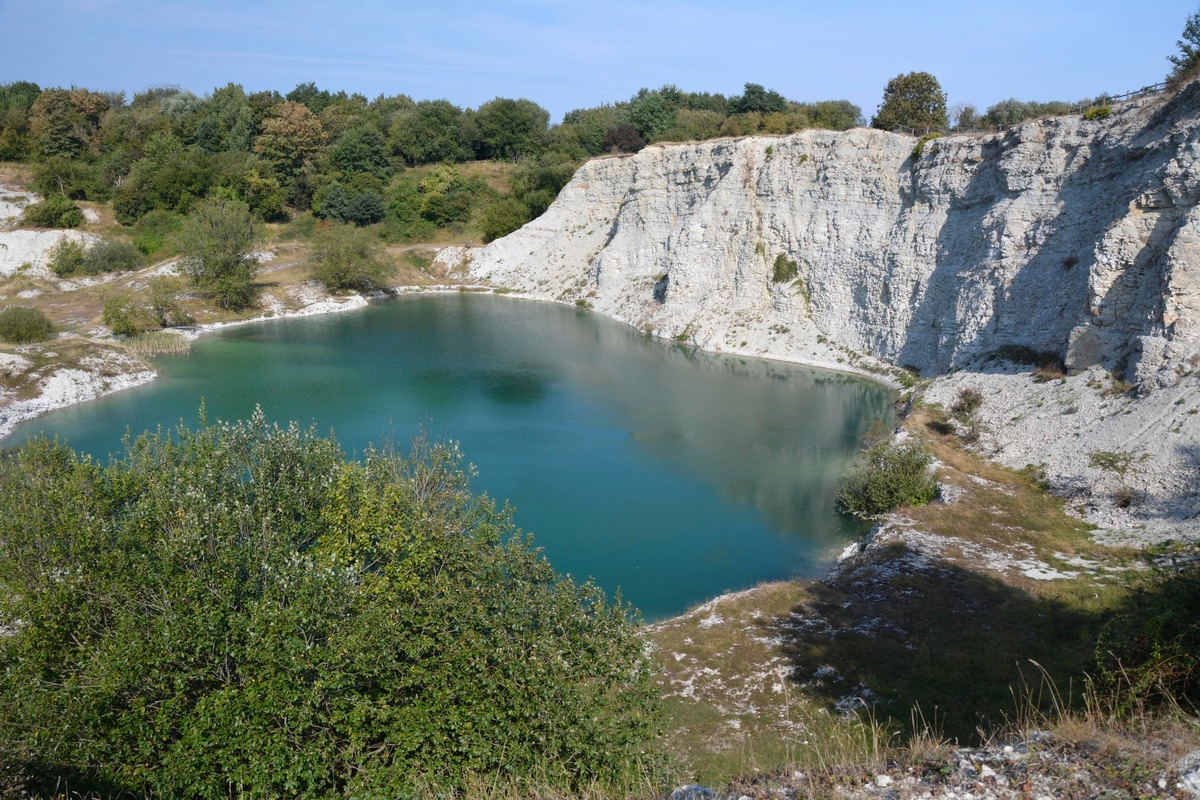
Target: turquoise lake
671 473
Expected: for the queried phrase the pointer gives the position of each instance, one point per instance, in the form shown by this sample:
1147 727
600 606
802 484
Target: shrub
1148 656
784 269
66 258
110 255
154 233
924 140
239 606
1097 113
55 212
124 316
888 477
163 304
966 404
21 324
344 257
503 217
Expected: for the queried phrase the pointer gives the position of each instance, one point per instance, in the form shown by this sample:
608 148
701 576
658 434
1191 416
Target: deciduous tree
913 100
217 243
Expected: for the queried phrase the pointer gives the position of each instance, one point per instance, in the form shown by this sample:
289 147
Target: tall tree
217 244
66 122
291 137
1187 62
510 128
913 100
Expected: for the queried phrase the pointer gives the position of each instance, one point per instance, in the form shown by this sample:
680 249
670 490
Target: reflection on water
669 472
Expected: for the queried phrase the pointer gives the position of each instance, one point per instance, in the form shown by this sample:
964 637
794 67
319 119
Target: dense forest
344 157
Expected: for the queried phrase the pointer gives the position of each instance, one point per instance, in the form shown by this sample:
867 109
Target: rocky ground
1038 768
1057 422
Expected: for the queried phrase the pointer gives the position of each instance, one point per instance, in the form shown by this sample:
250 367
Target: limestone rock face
1075 238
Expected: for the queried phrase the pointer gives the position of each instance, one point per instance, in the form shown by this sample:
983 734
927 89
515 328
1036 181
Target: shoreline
1008 438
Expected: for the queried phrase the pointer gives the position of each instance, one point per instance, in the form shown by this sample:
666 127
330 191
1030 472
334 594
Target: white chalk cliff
1063 236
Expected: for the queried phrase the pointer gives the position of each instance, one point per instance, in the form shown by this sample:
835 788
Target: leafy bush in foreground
21 324
888 477
238 606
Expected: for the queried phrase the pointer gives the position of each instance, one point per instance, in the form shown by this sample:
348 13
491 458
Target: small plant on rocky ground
1049 371
1122 464
969 401
1097 113
785 269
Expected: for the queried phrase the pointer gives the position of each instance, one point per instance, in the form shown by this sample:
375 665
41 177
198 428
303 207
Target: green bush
239 606
1148 656
110 255
55 212
503 217
154 233
1098 112
123 315
21 324
345 257
785 269
888 477
919 148
66 258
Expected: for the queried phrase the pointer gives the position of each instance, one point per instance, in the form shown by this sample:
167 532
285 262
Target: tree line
344 157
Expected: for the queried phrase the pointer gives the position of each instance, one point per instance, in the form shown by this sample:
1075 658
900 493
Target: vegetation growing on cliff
238 606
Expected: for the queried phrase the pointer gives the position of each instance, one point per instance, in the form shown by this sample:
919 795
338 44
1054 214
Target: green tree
913 100
510 128
429 132
66 122
345 257
1186 64
217 244
652 112
362 149
238 609
755 98
16 100
291 137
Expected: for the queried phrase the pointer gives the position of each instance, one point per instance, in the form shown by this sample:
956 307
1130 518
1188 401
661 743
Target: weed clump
785 269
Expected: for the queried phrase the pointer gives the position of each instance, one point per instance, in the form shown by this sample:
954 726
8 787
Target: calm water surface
670 473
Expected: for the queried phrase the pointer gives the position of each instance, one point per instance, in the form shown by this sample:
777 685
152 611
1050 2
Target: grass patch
157 343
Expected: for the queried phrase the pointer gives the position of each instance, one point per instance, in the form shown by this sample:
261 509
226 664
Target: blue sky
566 54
